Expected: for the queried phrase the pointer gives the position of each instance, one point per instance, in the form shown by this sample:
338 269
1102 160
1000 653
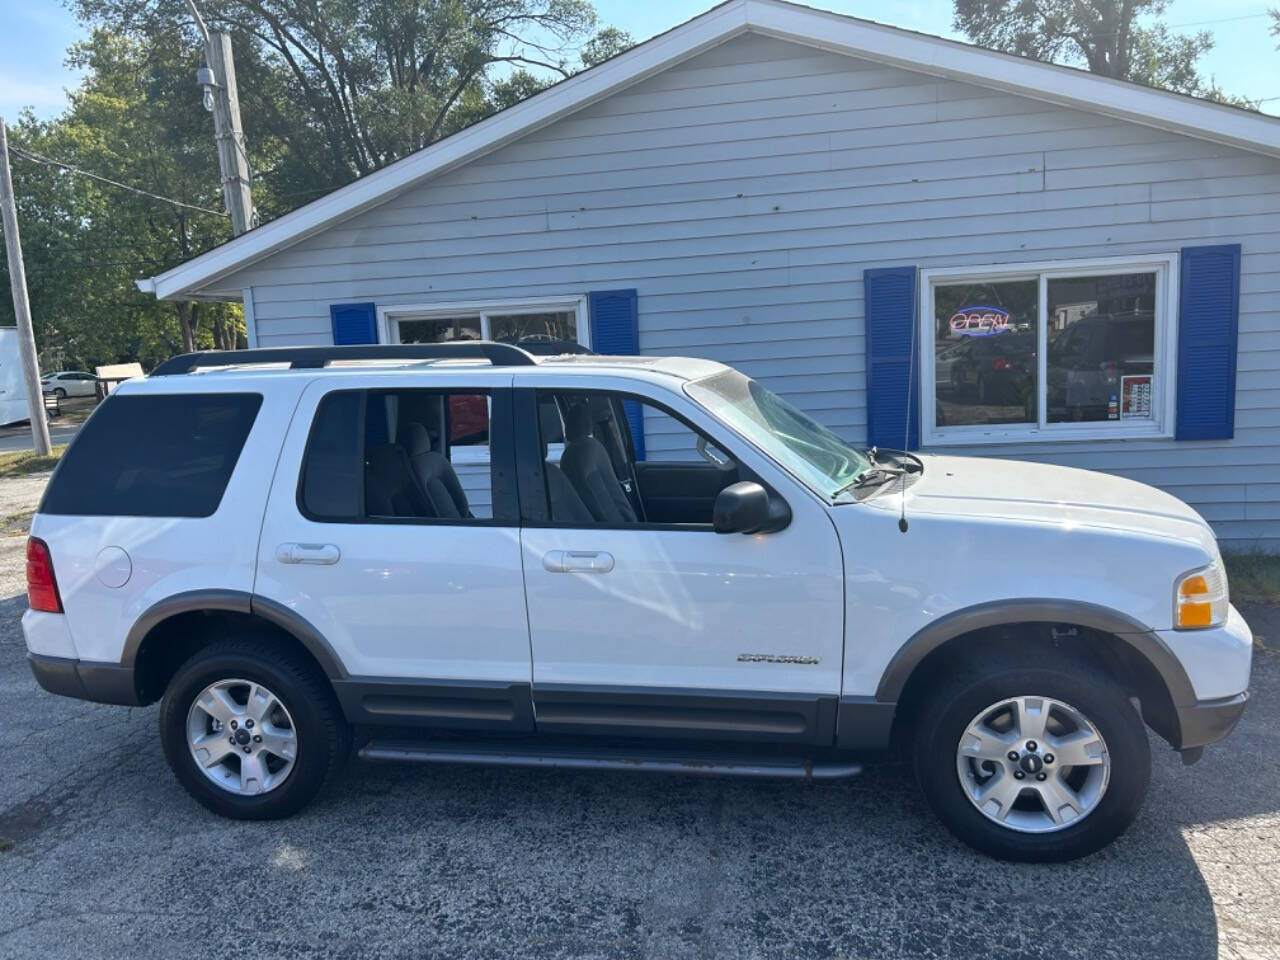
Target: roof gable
836 33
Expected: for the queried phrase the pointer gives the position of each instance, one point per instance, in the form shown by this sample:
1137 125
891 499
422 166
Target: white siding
744 192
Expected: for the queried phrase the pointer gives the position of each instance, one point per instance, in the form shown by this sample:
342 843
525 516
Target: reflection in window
1101 347
534 327
985 352
440 330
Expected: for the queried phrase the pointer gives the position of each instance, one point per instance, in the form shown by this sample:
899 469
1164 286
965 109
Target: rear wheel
252 732
1037 762
60 393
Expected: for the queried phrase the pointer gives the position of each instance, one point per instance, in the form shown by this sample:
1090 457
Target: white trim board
935 56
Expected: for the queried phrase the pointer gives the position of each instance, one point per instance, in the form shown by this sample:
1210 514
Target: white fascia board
568 96
1064 86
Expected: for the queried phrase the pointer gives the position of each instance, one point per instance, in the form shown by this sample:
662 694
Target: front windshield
802 445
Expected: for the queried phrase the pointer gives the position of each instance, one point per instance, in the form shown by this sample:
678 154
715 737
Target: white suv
461 553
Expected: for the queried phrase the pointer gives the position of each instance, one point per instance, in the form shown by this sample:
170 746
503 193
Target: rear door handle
577 561
321 553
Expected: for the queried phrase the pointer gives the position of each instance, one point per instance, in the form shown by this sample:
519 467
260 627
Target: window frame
1164 356
389 318
500 405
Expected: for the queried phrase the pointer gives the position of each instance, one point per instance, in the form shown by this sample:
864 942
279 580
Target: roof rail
312 358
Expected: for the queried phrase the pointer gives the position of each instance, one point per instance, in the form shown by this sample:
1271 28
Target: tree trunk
184 321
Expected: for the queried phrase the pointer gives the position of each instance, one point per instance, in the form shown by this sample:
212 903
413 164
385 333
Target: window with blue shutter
1208 321
354 323
615 330
893 363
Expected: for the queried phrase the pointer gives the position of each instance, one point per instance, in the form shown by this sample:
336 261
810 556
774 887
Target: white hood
1063 496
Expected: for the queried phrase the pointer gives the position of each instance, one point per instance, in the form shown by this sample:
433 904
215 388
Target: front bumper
85 679
1209 720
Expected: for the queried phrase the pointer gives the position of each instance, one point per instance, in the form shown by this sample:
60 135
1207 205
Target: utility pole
218 77
21 306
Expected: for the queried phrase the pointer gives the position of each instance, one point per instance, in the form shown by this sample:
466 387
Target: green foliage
330 90
1115 38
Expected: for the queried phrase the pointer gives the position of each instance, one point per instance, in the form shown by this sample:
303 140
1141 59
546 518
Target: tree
1108 37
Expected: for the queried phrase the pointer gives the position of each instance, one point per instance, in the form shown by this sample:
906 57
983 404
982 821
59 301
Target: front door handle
577 561
321 553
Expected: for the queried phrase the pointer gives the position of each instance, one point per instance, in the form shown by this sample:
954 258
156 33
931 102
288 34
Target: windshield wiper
870 478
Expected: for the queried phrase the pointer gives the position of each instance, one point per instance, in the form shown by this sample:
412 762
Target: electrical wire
72 168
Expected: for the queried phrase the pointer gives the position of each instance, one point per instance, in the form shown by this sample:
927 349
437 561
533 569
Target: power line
72 168
1205 23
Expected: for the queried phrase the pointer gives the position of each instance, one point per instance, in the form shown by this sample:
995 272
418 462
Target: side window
391 455
594 476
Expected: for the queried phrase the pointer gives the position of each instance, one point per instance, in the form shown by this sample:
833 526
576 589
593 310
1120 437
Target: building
910 238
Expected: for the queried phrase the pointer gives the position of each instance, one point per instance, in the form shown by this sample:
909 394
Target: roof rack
312 358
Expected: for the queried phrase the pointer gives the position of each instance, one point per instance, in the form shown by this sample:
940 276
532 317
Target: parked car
69 383
992 369
288 561
1088 361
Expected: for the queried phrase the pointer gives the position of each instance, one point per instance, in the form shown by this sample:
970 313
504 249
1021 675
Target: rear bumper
1209 720
85 679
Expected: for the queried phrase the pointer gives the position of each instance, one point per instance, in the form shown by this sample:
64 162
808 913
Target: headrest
415 438
577 422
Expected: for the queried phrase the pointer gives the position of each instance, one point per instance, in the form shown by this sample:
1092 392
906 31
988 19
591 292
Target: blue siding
1208 330
893 358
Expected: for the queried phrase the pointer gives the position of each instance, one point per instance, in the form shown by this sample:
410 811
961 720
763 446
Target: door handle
577 561
321 553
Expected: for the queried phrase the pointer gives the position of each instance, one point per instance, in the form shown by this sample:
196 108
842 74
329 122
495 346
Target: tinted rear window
153 456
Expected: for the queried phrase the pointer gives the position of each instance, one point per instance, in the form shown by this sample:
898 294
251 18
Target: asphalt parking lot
103 855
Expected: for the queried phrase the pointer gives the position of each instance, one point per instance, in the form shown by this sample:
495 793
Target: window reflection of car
1087 360
990 369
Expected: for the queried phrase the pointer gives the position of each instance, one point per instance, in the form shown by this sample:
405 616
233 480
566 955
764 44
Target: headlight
1200 598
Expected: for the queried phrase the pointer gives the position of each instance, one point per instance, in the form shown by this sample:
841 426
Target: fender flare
234 601
1145 641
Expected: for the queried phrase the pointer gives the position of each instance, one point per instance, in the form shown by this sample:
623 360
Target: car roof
243 375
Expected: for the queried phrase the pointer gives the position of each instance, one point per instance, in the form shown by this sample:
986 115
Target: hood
1015 490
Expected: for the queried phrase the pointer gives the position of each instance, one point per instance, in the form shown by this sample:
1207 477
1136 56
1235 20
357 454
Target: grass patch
23 463
1254 577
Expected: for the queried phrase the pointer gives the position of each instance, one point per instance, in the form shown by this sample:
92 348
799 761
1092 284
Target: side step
640 759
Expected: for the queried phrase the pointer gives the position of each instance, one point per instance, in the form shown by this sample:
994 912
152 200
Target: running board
639 759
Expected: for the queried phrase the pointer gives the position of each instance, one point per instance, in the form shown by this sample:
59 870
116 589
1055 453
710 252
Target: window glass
153 456
391 454
439 329
596 479
534 327
1101 347
798 442
985 352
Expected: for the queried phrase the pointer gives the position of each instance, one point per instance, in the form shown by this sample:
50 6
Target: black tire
962 693
60 393
323 736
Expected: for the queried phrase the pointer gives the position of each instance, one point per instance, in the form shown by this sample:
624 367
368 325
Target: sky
34 35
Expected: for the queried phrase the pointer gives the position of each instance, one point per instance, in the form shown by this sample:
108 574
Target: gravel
103 855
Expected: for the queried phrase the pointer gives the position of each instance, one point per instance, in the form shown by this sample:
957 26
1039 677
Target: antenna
906 426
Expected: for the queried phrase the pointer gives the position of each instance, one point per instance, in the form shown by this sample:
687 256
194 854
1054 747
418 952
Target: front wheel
1044 762
250 731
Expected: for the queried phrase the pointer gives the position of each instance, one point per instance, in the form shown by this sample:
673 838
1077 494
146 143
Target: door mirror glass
746 507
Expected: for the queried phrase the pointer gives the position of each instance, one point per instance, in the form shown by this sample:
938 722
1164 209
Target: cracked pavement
103 855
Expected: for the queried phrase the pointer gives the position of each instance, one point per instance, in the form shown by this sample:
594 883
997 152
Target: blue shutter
893 368
1208 317
354 323
615 330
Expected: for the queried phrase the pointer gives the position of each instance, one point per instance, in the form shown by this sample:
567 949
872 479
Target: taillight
42 586
1001 363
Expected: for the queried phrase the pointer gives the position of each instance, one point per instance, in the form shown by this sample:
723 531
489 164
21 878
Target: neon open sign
979 321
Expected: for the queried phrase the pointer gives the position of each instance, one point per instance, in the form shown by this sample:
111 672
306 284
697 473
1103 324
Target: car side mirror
747 507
